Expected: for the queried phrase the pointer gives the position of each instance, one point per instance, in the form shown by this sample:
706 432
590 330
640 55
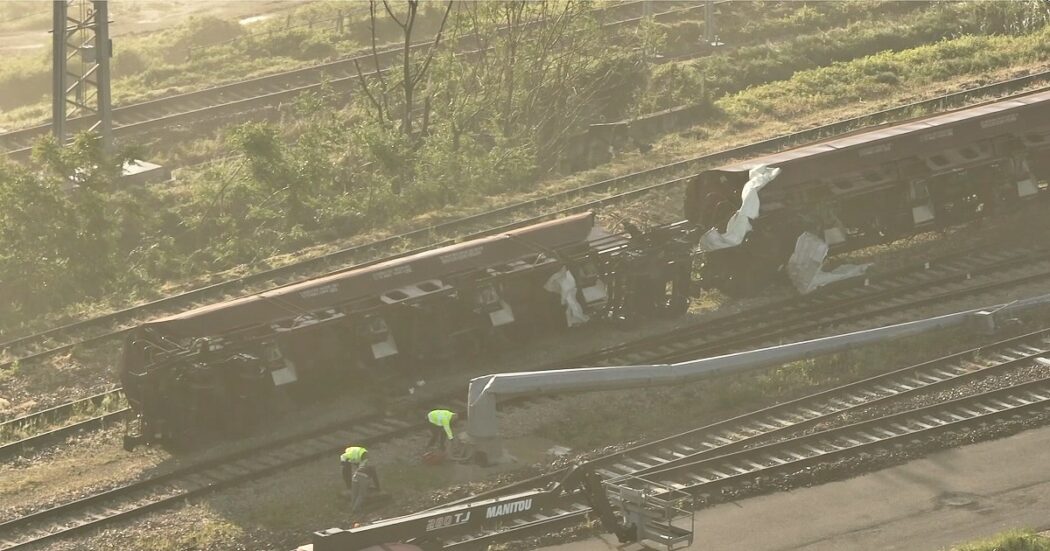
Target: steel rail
55 415
788 319
138 497
771 336
655 350
250 464
275 88
325 262
33 443
793 316
160 491
722 457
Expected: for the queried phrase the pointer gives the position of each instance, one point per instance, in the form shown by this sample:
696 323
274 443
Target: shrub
128 63
205 31
316 47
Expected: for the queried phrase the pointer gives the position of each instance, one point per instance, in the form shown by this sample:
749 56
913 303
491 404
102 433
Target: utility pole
81 49
710 25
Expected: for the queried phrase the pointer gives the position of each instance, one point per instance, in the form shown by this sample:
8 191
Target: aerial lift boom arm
429 528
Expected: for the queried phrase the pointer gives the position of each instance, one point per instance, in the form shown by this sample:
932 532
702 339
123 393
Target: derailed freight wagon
222 365
880 184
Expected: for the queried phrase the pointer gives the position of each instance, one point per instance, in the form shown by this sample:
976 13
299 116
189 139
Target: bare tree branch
375 59
433 47
368 91
391 14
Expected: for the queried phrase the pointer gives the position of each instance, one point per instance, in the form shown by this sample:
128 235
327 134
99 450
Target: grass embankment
1014 540
81 412
857 36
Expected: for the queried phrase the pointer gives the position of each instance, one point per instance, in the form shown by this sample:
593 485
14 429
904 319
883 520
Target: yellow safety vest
443 419
354 454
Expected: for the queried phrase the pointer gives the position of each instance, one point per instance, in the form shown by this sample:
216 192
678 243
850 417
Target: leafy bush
128 63
201 32
752 65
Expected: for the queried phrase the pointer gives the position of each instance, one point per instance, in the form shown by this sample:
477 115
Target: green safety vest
443 419
354 454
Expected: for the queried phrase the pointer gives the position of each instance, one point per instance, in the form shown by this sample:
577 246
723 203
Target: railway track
788 437
952 279
152 493
114 325
932 281
33 431
269 90
800 317
163 490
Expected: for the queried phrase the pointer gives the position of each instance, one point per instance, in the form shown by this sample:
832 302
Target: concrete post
709 23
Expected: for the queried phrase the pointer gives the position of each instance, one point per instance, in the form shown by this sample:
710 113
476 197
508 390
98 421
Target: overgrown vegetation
676 84
206 534
485 124
1014 540
81 412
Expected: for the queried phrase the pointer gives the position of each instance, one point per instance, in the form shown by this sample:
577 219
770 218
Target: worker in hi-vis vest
440 427
355 459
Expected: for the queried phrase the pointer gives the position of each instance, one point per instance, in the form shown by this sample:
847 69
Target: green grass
866 79
751 65
1014 540
206 534
81 412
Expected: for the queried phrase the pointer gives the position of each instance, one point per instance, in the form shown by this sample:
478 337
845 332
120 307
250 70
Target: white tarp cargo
805 267
740 223
564 284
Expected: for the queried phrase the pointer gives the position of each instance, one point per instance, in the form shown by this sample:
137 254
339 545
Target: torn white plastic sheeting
564 284
805 267
740 223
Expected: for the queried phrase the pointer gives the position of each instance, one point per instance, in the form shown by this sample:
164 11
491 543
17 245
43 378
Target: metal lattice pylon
81 49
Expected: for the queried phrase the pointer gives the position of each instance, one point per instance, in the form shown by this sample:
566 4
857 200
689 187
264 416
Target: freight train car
226 365
880 184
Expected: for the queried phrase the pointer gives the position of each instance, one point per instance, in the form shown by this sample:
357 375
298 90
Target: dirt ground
30 32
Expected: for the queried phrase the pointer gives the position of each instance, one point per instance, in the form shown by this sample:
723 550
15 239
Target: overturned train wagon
880 184
224 366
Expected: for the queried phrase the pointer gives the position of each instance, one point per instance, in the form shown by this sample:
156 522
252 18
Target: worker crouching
441 421
359 477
